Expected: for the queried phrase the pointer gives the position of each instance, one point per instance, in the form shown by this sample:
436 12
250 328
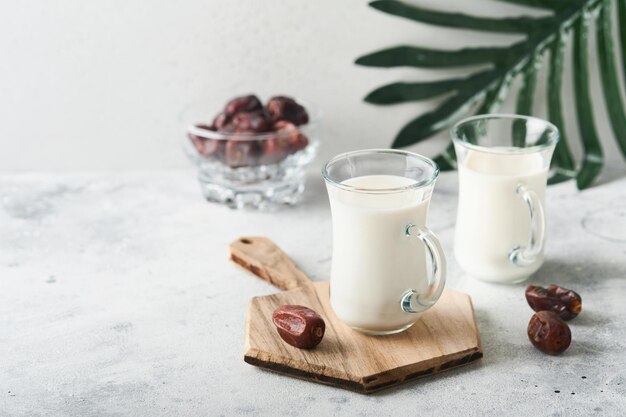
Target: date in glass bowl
250 170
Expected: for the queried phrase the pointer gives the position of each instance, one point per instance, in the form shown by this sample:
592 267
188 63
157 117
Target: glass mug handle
526 255
412 301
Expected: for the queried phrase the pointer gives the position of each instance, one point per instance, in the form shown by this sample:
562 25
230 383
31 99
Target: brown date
291 134
242 153
275 149
566 303
286 108
244 117
300 143
250 122
206 146
299 326
220 121
247 103
549 333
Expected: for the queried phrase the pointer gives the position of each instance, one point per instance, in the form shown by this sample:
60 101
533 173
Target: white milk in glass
492 217
373 262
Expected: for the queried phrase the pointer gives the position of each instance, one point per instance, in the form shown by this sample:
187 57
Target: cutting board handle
266 260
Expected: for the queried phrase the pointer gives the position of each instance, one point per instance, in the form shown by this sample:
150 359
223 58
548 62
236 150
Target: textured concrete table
116 298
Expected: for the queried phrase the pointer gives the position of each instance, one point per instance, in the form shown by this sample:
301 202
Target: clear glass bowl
248 170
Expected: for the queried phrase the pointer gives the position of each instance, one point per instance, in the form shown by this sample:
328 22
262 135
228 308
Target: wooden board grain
445 337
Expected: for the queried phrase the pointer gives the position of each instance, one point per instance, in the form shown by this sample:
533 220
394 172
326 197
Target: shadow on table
451 373
496 349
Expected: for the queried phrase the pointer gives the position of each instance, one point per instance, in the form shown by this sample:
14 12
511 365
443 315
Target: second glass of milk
387 266
503 163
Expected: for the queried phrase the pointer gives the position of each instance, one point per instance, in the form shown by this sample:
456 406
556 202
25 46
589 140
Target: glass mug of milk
503 163
387 266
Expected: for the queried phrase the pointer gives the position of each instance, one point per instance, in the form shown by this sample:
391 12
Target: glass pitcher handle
526 255
412 301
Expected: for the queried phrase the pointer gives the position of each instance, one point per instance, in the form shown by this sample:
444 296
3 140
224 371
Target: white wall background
95 85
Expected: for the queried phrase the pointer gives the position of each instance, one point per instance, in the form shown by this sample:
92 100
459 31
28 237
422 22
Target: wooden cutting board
445 337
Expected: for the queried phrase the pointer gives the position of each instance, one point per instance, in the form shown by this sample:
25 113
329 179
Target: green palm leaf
526 93
542 4
403 92
563 161
621 16
447 113
593 159
461 21
543 35
412 56
610 85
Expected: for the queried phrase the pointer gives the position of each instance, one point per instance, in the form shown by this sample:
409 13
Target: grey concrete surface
116 299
